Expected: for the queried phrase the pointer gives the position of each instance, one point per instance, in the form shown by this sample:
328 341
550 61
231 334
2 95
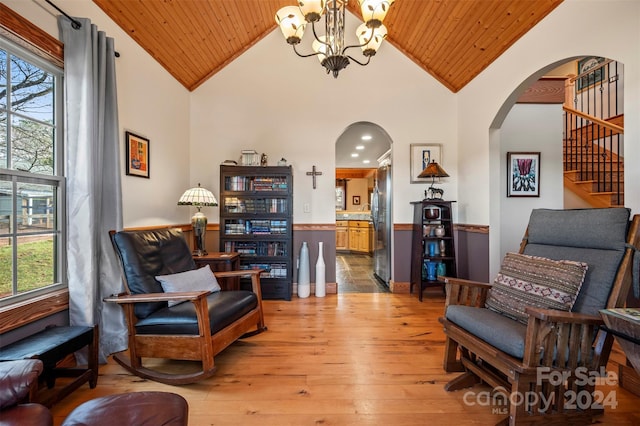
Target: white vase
304 285
321 284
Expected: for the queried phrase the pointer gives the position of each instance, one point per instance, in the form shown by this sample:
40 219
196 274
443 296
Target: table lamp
433 170
198 197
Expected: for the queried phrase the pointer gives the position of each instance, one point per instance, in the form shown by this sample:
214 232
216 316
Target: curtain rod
75 24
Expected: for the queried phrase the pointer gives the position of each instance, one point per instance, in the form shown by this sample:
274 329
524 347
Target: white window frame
57 179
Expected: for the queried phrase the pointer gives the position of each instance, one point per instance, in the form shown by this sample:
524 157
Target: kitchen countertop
353 215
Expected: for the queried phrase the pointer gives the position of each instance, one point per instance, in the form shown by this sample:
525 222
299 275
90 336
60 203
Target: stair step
600 187
606 176
593 168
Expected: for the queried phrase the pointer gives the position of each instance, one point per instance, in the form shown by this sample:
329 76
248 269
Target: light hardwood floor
346 359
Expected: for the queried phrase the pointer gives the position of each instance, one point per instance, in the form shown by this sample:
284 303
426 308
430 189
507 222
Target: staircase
593 147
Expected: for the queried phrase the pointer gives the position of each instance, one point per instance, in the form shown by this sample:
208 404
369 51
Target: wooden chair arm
254 274
238 273
465 292
467 283
156 297
563 340
552 315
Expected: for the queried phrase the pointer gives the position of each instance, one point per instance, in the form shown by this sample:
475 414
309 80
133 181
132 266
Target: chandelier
330 47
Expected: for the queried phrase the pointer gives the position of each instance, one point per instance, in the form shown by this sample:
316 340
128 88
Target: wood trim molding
479 229
403 226
18 314
28 35
314 226
547 90
183 227
482 229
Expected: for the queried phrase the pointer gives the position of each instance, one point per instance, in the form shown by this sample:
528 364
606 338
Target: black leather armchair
19 383
196 330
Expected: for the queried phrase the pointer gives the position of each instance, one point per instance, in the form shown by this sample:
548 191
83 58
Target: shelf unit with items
256 221
433 252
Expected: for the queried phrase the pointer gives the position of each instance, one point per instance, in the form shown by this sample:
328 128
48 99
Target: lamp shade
198 197
312 9
374 10
371 38
433 170
292 23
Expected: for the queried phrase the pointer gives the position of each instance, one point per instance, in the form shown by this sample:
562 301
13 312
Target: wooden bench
51 346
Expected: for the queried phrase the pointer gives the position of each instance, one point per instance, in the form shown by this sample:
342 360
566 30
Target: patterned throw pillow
535 281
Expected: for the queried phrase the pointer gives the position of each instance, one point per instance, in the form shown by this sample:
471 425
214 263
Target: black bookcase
256 220
433 252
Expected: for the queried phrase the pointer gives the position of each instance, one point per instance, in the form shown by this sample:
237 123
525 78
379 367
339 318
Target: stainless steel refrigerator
381 217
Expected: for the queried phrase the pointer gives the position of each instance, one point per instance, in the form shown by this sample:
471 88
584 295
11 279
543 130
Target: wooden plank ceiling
453 40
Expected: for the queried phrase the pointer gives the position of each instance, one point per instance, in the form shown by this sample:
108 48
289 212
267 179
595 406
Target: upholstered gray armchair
508 336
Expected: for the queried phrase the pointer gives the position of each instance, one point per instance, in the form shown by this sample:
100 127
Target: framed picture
137 155
523 174
421 156
356 200
587 66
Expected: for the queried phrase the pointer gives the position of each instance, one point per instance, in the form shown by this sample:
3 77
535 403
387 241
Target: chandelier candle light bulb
330 48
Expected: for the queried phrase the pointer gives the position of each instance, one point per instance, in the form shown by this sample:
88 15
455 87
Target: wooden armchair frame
193 347
202 347
575 339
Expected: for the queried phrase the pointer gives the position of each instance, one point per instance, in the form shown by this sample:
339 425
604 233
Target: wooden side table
624 323
220 261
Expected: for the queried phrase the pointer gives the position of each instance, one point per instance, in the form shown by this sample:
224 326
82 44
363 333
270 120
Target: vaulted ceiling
453 40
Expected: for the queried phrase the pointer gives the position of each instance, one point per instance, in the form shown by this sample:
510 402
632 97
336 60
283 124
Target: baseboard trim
330 288
399 287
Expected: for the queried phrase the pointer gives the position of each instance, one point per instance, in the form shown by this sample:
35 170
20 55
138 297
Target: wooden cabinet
354 235
342 235
256 220
359 236
218 262
433 251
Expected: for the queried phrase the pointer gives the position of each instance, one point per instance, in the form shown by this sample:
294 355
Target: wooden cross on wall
313 173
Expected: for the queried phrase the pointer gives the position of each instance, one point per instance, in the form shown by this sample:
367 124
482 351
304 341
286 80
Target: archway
363 199
593 95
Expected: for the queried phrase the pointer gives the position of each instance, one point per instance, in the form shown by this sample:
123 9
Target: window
32 185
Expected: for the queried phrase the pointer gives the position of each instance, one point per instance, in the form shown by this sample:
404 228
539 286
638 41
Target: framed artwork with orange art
137 156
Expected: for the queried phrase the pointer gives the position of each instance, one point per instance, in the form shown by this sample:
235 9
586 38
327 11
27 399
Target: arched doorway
580 139
363 209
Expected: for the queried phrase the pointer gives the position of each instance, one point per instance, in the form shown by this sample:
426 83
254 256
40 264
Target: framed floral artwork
523 174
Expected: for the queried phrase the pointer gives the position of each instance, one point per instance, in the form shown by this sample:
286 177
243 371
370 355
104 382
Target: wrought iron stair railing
594 137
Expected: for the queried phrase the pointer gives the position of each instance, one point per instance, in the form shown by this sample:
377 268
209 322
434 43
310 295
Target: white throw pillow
194 280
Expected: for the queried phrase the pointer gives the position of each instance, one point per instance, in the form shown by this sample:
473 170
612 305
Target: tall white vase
321 283
304 284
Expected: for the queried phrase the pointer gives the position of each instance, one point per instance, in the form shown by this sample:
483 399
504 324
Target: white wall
530 128
359 187
272 101
151 104
487 99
